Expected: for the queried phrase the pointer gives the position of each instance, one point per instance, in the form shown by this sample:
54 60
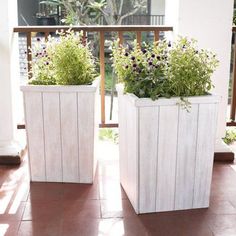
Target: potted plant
167 124
60 109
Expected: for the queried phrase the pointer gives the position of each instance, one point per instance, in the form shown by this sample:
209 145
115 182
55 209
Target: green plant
163 69
230 136
108 134
64 60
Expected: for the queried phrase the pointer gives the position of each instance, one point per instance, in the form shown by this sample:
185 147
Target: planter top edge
62 88
143 102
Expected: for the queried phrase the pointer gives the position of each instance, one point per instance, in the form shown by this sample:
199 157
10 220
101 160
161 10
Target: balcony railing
101 30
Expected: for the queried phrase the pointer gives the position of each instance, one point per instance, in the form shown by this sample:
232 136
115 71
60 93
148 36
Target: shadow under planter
61 126
166 152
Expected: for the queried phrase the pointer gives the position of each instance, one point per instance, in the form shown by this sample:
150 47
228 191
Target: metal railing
101 30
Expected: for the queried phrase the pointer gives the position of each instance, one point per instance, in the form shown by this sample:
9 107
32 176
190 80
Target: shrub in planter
60 110
166 150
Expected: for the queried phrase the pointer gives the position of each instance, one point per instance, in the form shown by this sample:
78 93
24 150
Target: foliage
108 134
230 136
64 60
163 69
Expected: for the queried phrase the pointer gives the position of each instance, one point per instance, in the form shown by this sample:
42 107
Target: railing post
29 55
139 37
156 35
102 72
233 94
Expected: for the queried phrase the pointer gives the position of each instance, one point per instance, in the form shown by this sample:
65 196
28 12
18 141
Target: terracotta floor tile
9 228
73 209
116 208
38 228
43 211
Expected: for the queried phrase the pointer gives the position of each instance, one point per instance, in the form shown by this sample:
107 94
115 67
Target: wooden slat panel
69 137
204 156
86 136
102 72
186 154
148 157
51 113
35 135
167 146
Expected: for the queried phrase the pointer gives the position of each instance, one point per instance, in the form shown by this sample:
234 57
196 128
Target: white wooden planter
61 125
166 153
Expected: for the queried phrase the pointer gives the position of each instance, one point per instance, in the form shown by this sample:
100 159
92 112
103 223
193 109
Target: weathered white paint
166 153
209 22
60 124
9 80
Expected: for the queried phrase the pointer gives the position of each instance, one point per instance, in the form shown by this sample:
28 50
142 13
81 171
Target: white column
9 79
209 22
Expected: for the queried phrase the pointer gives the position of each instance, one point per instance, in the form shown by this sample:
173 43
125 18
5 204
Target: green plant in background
109 135
230 136
163 69
64 60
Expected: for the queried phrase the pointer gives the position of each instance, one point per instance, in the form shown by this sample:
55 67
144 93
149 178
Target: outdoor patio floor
103 208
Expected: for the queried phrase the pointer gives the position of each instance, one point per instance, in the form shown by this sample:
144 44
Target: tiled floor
103 208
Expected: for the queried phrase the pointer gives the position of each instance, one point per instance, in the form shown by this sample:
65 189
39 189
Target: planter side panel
128 149
86 136
35 135
148 117
207 121
166 158
52 135
186 154
69 137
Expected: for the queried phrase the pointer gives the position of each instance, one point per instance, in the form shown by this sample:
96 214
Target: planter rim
142 102
62 88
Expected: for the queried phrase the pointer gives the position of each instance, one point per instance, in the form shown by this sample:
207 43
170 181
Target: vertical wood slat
185 160
29 55
148 151
156 35
204 155
233 94
86 135
139 37
120 36
35 143
52 132
166 158
46 34
102 72
69 132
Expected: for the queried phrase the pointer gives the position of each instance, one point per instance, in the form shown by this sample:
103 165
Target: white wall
8 72
210 22
157 7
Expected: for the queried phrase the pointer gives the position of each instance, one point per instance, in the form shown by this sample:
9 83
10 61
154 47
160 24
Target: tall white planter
61 124
166 153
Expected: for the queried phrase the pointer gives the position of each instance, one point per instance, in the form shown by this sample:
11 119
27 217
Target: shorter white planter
61 124
166 153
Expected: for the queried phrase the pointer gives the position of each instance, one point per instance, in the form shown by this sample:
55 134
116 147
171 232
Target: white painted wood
69 137
148 157
35 135
86 136
186 154
167 147
52 137
204 155
61 123
173 157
